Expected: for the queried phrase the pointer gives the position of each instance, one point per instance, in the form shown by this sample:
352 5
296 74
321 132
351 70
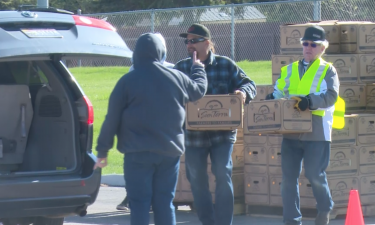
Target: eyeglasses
194 40
313 45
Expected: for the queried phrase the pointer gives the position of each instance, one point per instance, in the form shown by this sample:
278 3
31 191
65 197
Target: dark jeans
196 172
315 156
151 179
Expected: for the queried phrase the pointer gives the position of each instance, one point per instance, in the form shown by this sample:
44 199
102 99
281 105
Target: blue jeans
196 172
315 155
151 179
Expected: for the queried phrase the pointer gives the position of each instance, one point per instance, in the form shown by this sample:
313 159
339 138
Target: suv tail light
90 109
92 22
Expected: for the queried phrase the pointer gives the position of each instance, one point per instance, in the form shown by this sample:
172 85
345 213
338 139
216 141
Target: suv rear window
22 72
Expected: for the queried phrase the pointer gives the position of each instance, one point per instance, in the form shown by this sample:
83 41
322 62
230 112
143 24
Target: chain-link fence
241 31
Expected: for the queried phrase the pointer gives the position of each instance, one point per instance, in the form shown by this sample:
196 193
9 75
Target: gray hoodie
147 106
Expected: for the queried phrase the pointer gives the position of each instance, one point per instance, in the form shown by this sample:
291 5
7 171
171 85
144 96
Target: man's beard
190 53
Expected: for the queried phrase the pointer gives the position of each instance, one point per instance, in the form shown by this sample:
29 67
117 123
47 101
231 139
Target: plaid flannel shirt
224 77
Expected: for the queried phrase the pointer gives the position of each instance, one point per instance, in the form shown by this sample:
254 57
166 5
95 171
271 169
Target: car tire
49 221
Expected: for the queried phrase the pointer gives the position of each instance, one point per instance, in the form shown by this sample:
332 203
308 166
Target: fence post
152 20
317 10
232 33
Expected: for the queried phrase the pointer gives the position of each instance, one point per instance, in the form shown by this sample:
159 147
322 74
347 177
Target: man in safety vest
315 85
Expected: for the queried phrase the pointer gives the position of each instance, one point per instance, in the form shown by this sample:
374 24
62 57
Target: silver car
46 121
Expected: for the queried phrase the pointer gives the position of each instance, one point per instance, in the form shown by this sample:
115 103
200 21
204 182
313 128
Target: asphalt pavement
103 211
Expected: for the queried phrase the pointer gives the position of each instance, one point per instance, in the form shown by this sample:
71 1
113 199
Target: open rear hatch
31 45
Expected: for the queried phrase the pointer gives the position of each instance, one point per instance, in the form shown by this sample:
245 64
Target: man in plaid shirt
224 77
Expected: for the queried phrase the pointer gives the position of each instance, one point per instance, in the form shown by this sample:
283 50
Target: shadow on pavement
120 217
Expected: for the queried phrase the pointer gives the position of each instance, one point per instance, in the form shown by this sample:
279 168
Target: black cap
315 34
199 30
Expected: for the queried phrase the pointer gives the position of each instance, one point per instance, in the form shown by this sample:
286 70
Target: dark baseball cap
199 30
315 34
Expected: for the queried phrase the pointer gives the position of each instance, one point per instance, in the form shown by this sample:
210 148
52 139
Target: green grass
98 83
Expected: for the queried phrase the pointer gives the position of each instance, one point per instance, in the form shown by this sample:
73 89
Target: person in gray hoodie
147 112
124 205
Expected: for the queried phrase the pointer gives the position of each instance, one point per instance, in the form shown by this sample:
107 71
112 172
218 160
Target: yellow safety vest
291 85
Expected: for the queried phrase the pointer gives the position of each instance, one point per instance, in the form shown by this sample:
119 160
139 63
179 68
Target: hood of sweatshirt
148 49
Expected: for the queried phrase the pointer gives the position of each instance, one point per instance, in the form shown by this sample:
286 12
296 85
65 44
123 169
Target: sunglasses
313 45
194 41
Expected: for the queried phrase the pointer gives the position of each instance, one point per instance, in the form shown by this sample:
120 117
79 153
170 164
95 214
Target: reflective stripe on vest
291 84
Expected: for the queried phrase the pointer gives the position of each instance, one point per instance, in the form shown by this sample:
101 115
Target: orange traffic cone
354 214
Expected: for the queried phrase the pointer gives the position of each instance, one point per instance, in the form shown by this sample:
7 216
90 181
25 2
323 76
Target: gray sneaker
322 219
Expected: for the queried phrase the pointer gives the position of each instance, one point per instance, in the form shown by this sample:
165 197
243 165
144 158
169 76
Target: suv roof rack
35 8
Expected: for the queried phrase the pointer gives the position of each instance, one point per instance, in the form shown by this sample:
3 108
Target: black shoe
322 219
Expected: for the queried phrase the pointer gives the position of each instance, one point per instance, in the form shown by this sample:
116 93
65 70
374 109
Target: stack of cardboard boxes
264 124
352 52
257 153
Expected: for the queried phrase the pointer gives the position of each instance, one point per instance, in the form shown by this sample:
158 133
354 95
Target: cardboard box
252 169
256 190
366 38
252 139
366 129
239 137
277 116
354 96
366 160
274 155
255 139
307 199
340 189
215 112
370 97
343 161
278 61
274 160
238 181
347 67
270 89
348 135
367 68
275 191
290 38
333 33
356 37
262 91
256 155
274 170
367 189
274 139
238 158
